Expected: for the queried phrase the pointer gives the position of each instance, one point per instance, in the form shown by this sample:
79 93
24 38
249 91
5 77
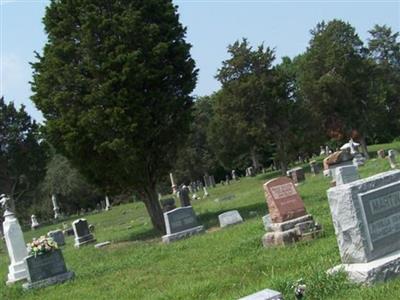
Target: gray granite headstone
366 217
266 294
179 223
57 236
82 233
229 218
267 222
392 158
346 174
46 269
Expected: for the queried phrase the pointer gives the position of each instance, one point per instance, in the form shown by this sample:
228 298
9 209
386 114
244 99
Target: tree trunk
364 146
154 209
254 160
283 167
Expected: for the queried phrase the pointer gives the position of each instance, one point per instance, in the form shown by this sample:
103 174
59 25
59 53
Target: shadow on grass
209 219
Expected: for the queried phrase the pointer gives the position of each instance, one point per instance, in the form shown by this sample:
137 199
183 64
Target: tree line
115 83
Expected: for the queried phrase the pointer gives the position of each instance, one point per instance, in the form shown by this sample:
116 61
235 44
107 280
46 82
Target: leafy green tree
335 80
384 50
72 190
22 156
196 158
236 129
114 86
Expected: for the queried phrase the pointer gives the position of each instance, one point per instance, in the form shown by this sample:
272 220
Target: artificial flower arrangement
41 246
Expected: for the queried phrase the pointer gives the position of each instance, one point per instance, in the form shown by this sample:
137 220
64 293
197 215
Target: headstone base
49 281
378 270
17 272
84 240
168 238
300 229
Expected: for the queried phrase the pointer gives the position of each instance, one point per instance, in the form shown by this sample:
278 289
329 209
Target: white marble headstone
229 218
346 174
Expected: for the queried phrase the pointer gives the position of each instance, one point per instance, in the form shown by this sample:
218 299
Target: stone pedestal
288 232
378 270
168 238
16 248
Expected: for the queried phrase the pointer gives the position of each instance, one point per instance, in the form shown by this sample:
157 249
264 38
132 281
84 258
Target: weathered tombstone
15 244
108 205
234 176
57 236
206 194
82 233
207 182
56 208
184 196
34 222
366 218
381 153
266 221
46 269
180 223
392 158
297 174
289 220
229 218
314 167
266 294
322 150
346 174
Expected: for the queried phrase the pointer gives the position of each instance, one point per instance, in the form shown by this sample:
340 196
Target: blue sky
211 27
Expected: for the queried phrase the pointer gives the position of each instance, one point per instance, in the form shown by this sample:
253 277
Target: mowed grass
221 264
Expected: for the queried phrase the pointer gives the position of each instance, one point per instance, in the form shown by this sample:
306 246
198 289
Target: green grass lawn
221 264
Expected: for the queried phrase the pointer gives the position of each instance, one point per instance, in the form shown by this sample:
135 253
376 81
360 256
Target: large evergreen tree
335 80
114 85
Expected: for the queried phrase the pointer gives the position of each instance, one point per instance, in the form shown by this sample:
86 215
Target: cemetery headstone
392 158
234 176
15 244
289 220
184 196
366 218
314 167
266 294
267 222
335 160
381 153
297 174
346 174
57 236
34 222
206 194
82 233
46 269
56 208
229 218
322 150
180 223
